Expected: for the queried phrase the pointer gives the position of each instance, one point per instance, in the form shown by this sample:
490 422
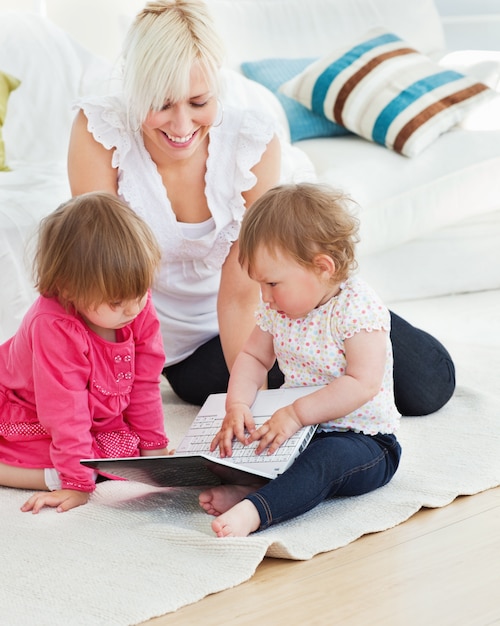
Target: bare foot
241 520
220 499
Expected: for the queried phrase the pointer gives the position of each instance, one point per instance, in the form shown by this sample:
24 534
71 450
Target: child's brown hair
302 220
95 250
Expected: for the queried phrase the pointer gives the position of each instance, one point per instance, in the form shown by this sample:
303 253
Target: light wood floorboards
441 567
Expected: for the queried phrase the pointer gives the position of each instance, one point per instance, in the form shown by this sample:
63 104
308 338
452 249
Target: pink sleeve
61 371
145 411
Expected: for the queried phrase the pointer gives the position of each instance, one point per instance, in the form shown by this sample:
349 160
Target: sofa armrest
470 24
472 32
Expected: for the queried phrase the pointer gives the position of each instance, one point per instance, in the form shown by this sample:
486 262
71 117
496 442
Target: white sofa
430 223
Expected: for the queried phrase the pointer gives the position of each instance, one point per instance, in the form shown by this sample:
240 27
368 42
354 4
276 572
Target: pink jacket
67 394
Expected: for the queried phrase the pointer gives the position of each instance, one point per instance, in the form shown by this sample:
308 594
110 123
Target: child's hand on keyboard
238 423
279 427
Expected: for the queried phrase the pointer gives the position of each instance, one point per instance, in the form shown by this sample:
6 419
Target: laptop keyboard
209 426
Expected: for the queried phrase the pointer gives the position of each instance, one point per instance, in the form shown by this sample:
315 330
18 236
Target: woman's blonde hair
94 250
302 220
166 38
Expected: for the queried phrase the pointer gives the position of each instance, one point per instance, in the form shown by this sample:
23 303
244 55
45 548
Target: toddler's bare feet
241 520
220 499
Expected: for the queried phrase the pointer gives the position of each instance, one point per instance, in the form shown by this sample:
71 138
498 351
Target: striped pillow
385 91
303 123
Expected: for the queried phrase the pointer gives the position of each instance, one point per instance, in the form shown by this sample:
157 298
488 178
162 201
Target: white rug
136 552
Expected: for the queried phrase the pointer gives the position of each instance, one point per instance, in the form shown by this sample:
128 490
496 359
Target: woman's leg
334 464
424 374
205 372
202 373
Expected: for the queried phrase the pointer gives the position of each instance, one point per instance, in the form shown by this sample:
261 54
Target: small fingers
27 506
267 438
275 444
270 441
239 433
37 501
215 442
223 440
226 445
64 500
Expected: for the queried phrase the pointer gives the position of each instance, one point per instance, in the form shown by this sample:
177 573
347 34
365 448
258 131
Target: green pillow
7 84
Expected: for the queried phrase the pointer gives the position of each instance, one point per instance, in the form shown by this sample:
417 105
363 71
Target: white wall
97 24
471 24
100 25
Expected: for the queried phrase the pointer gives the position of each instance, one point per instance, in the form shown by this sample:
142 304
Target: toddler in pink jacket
81 376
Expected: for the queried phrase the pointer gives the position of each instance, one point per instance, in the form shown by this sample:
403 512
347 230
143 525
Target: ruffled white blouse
185 293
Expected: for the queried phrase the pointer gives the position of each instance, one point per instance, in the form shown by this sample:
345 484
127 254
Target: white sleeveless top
185 292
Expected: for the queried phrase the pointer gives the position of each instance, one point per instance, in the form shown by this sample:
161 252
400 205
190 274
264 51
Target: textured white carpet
135 552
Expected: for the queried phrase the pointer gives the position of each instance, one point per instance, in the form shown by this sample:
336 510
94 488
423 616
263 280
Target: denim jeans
334 464
424 374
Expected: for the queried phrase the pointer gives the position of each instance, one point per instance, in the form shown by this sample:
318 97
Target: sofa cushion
405 199
382 89
7 84
303 123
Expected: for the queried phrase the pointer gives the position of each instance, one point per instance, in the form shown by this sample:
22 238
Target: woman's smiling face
179 128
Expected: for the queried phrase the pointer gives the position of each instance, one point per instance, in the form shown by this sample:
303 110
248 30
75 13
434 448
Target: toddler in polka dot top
326 327
81 377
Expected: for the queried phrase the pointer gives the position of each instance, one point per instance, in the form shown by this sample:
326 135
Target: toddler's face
289 287
114 315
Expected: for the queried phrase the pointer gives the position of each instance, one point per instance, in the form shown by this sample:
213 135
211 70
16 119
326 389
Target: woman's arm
89 162
238 294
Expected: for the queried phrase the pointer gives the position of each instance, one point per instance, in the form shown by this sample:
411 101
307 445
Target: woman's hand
63 499
279 427
238 422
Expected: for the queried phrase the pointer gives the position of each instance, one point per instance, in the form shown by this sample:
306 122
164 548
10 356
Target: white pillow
54 71
241 92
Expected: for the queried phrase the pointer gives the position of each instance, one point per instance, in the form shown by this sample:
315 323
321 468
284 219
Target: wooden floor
439 568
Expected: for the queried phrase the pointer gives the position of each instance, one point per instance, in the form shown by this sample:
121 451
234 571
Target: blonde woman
190 169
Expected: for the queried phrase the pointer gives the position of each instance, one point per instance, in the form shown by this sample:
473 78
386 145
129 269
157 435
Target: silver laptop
194 465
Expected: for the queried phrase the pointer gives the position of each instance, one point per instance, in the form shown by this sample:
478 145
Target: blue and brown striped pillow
303 123
385 91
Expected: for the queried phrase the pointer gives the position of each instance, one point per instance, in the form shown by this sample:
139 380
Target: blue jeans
334 464
424 374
